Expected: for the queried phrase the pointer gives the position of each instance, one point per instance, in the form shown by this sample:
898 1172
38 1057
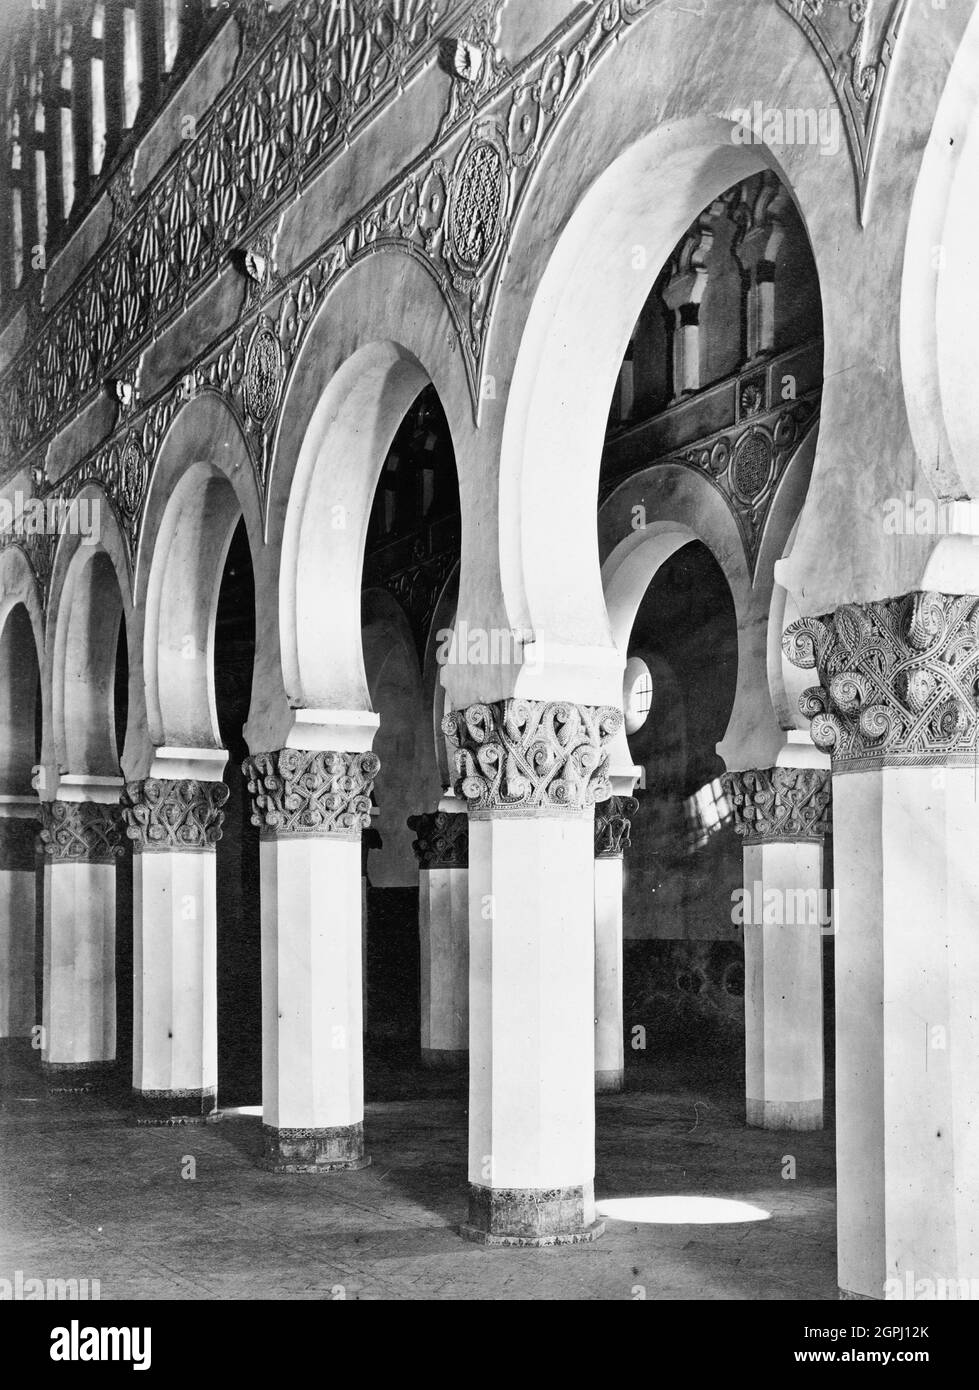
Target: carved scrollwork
80 832
780 803
298 792
442 840
855 42
898 680
168 814
304 84
613 825
528 757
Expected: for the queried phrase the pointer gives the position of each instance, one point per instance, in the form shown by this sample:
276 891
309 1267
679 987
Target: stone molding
163 815
780 803
531 757
296 792
613 824
443 840
898 681
80 832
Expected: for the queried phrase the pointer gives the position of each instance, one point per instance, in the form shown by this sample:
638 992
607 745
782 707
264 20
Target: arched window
637 694
98 87
67 128
16 205
132 66
40 169
171 33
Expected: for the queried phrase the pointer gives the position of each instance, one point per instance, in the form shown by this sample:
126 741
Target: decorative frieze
322 71
169 814
780 803
613 823
315 76
528 757
80 832
443 840
297 792
898 681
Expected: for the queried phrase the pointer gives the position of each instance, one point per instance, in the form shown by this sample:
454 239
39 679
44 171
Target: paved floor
83 1194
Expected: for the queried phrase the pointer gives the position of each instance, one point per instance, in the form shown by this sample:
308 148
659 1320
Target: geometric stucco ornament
898 681
299 792
164 814
855 42
531 757
780 803
80 832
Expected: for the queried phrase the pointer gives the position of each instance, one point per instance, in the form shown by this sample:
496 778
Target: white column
312 807
174 824
783 951
442 849
906 877
531 772
609 1047
858 871
82 840
908 1032
782 814
18 833
612 827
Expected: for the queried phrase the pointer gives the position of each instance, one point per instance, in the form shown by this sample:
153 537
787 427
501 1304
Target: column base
190 1107
848 1296
313 1150
78 1078
530 1217
445 1059
784 1114
610 1080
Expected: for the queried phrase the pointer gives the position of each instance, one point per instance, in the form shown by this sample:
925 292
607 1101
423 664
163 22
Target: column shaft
896 710
609 1045
174 825
81 842
612 827
783 815
784 986
311 808
18 833
532 773
442 850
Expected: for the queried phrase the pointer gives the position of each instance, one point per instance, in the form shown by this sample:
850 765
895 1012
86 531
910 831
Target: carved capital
780 803
168 814
443 840
528 757
80 832
613 824
898 681
296 792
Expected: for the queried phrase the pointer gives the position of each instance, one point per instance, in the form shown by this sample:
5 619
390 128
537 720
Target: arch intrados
91 609
325 530
571 349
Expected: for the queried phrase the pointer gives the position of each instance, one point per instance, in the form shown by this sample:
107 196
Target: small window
637 694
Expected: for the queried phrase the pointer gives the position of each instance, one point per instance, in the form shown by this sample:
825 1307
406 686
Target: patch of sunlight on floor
232 1111
680 1211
